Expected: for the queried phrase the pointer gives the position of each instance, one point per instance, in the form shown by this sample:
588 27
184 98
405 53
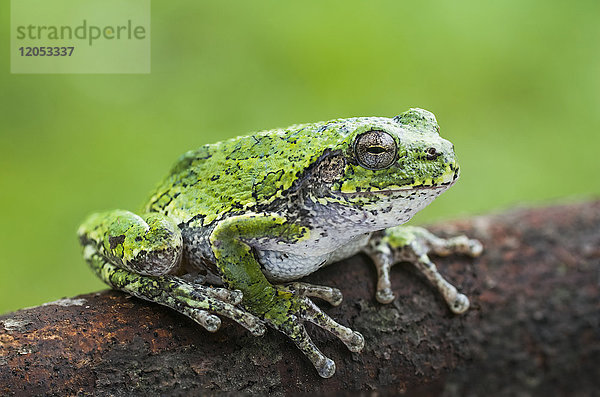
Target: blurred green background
514 84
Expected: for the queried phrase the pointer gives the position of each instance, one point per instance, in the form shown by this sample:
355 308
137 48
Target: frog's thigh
193 300
150 244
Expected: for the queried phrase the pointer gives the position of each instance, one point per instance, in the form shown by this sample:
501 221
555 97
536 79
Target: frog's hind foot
329 294
198 302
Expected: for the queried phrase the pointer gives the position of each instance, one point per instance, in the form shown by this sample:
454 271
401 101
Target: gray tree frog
234 221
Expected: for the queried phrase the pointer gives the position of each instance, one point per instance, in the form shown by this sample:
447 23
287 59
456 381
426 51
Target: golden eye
375 150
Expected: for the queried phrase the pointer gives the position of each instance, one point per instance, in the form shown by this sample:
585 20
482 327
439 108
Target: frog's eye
375 150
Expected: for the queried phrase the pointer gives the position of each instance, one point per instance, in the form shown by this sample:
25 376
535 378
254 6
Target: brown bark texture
533 328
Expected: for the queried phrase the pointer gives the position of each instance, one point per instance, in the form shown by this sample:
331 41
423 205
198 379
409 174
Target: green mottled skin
276 205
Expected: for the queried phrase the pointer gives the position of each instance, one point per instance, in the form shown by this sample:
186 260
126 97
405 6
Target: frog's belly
286 266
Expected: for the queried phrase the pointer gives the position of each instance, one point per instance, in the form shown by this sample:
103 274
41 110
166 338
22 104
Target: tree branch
534 328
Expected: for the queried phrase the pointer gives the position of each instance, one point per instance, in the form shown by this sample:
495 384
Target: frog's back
236 174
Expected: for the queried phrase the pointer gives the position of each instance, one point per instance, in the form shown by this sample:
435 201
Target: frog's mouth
403 190
444 182
437 187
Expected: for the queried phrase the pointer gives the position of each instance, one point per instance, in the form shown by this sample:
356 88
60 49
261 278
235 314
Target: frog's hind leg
193 300
413 244
135 254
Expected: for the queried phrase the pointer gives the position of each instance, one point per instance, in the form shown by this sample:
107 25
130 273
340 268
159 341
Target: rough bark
533 329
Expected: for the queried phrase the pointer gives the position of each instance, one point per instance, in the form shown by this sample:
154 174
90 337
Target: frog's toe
385 295
233 297
356 343
460 305
248 321
457 245
353 340
257 329
327 370
329 294
323 364
209 321
212 323
336 297
475 248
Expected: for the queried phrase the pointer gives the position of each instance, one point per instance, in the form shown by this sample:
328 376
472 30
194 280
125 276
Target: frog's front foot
291 307
414 244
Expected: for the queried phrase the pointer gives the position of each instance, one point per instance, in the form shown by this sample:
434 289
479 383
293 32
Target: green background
514 84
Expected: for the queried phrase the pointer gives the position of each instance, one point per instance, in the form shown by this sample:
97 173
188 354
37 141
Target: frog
234 226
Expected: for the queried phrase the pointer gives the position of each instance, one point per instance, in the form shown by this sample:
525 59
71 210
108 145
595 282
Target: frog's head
396 166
